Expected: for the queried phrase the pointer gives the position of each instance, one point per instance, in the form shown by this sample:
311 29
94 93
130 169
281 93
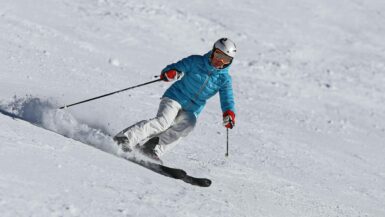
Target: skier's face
220 59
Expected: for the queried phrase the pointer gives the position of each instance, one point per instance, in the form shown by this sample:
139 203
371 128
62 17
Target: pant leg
167 112
182 126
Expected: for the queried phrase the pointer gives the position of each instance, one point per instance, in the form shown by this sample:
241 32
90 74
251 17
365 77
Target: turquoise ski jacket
200 82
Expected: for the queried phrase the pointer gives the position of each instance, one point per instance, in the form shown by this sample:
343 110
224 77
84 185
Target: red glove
171 75
229 119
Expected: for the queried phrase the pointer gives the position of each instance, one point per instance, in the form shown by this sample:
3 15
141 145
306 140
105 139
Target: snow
308 83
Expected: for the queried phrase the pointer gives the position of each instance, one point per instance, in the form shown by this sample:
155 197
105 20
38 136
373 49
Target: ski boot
123 141
148 149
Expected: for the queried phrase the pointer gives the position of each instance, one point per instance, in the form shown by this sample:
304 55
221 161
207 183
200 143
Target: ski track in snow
46 115
310 100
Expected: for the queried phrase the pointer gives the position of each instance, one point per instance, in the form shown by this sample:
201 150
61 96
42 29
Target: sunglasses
219 55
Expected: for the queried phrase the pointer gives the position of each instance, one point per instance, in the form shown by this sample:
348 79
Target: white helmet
226 46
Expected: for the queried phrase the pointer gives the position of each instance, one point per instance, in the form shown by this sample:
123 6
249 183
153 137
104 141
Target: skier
197 79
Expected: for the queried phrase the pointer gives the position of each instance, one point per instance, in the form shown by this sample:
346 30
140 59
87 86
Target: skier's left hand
229 119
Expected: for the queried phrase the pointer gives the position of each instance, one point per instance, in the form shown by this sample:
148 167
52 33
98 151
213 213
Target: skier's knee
164 122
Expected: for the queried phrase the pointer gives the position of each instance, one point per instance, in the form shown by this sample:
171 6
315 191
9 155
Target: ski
201 182
172 172
161 169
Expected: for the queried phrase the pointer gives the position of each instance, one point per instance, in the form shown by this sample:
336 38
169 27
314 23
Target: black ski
201 182
172 172
158 168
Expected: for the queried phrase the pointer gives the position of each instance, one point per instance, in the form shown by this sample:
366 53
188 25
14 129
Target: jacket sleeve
183 65
226 95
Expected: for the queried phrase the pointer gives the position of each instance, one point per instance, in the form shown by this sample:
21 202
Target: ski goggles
219 55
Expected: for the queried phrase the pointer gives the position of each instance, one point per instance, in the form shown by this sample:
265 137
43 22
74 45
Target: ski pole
108 94
227 140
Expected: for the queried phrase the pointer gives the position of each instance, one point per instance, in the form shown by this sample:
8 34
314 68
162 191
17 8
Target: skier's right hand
171 75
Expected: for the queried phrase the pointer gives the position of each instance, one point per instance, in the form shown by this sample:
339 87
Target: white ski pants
170 124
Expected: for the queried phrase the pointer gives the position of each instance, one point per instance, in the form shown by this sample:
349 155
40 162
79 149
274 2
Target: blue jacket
200 82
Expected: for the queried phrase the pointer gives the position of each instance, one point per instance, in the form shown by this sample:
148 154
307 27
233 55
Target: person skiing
198 77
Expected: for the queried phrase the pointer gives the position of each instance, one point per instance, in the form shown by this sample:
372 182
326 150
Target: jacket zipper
197 94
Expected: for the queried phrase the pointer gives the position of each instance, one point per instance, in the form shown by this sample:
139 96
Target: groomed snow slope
309 83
